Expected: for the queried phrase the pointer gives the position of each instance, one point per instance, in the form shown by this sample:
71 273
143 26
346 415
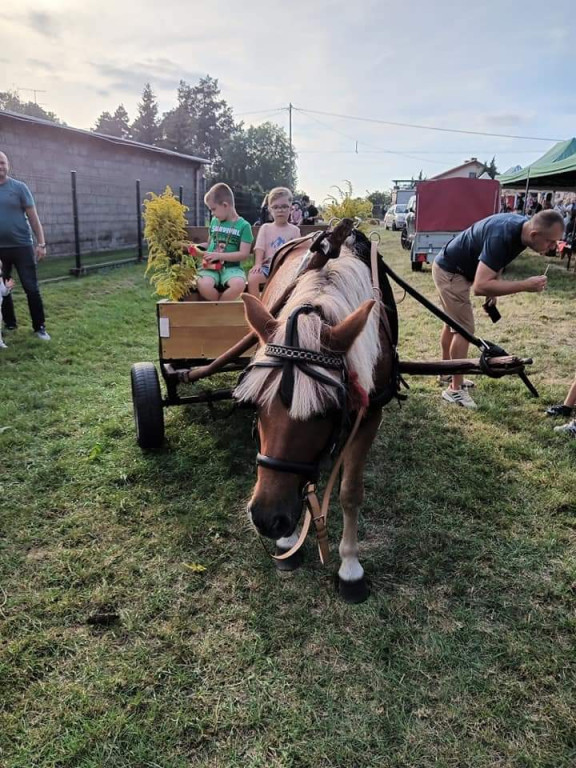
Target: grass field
464 655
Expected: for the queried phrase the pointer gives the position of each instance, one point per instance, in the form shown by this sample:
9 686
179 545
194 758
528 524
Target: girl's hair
277 192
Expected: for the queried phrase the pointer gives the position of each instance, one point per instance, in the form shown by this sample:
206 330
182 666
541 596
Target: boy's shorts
454 291
222 276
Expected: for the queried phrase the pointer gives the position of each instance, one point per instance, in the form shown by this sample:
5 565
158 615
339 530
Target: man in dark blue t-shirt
18 218
473 262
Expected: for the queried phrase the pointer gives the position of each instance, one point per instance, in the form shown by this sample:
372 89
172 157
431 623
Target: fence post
78 269
139 218
181 194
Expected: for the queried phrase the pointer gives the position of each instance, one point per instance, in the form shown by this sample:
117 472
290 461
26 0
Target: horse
329 353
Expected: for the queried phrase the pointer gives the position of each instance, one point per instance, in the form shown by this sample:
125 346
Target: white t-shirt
271 237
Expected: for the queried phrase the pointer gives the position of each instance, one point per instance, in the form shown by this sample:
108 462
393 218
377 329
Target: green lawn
464 655
49 268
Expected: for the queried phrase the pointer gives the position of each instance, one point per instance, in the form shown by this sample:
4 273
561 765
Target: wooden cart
190 334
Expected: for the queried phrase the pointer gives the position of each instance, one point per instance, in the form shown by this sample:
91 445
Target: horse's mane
337 290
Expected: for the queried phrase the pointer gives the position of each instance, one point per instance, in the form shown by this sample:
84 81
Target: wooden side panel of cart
199 330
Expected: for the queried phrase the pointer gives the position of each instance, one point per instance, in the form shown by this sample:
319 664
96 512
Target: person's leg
234 289
8 313
458 350
570 400
446 342
25 265
254 283
207 289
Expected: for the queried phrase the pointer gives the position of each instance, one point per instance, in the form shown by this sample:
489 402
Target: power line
423 127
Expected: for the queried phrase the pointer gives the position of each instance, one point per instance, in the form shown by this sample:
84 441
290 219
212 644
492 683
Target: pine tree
117 124
146 127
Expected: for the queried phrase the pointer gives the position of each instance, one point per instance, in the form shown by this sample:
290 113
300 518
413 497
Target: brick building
42 154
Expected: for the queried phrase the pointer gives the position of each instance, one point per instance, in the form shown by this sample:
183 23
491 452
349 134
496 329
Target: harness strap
317 513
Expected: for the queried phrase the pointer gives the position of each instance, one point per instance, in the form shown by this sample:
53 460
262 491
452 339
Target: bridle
287 357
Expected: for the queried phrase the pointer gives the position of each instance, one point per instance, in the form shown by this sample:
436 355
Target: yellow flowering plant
345 206
173 270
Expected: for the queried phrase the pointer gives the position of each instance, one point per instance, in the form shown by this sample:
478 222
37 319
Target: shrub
173 270
346 206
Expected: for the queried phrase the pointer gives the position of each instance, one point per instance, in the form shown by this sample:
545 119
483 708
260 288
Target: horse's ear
341 337
258 317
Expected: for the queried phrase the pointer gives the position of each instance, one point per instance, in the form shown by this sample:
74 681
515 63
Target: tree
259 157
11 102
379 199
490 168
177 127
212 116
117 124
146 127
200 123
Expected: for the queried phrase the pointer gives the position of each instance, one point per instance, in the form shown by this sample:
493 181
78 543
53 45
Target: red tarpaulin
451 205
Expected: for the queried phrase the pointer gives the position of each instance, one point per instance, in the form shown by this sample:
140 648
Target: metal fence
91 222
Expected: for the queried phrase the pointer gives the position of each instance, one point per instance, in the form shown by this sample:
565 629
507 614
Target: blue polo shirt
14 227
495 241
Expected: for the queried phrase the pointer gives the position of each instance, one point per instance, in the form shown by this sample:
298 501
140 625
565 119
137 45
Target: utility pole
290 126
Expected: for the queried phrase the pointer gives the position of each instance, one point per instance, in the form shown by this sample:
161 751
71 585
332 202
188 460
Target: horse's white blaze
338 289
287 542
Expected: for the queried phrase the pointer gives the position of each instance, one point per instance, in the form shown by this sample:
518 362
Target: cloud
45 24
42 65
162 73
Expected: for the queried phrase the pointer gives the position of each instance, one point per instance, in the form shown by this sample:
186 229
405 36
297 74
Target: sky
495 66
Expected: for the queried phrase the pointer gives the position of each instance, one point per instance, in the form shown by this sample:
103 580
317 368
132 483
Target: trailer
441 209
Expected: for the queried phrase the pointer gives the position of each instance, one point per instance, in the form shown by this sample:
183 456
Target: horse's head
299 383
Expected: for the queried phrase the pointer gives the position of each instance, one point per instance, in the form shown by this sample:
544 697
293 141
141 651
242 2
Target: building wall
43 157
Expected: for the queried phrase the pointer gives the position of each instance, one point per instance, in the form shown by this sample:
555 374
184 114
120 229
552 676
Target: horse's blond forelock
337 290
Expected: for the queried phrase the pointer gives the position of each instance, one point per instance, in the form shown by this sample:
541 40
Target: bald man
18 219
473 263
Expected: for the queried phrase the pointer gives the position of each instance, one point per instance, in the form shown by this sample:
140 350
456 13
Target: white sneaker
458 397
43 334
447 379
567 429
3 345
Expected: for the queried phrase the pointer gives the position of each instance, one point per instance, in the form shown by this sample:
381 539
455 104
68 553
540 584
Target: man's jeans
22 258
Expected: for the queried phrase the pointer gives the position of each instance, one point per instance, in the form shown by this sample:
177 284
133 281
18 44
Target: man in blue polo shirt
473 262
18 218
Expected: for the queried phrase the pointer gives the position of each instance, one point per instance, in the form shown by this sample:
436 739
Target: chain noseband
288 356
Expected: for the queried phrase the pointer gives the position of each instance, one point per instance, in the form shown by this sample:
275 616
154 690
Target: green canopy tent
555 170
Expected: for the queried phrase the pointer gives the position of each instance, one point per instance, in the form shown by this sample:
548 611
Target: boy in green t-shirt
229 245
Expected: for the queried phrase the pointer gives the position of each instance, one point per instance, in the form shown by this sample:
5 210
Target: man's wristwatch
41 245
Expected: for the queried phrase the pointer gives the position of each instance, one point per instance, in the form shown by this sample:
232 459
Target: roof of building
102 137
474 161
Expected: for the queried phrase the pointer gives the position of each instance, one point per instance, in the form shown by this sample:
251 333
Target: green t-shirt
226 236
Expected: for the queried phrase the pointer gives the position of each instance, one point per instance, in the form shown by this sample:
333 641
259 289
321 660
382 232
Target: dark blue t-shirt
14 228
495 241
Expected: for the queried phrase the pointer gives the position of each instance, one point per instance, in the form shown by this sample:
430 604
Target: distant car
409 229
395 217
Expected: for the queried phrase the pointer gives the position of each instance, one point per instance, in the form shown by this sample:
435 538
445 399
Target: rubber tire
416 266
147 403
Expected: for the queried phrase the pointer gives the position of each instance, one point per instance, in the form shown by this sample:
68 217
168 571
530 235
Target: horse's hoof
353 591
290 563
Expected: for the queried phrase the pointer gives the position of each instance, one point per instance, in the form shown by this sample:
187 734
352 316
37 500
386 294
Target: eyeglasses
280 207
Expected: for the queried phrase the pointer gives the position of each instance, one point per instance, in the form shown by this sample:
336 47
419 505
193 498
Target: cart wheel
147 402
416 266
